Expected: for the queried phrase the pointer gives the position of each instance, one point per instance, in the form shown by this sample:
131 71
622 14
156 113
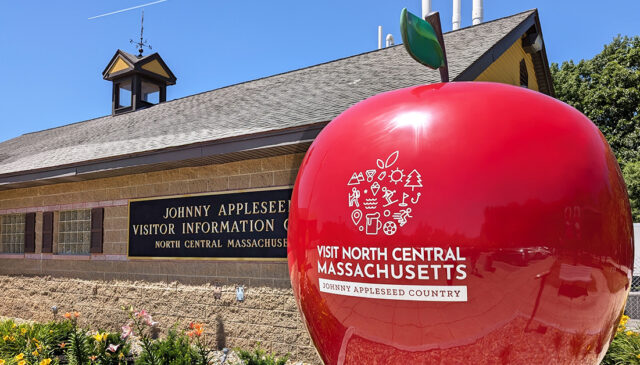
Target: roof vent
389 40
477 12
532 42
138 81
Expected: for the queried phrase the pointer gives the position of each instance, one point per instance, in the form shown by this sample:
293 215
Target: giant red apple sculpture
461 223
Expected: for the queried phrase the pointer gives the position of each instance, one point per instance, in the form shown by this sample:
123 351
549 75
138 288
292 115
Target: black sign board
248 224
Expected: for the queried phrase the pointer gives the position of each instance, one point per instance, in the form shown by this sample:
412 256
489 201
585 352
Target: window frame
20 231
70 227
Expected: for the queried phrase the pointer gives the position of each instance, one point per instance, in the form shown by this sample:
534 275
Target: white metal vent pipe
389 40
379 36
455 20
426 8
477 12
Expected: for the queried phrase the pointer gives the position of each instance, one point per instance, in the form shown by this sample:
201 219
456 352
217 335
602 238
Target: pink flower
126 331
149 321
142 313
113 348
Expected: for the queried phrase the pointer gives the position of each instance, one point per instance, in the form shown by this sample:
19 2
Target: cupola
138 81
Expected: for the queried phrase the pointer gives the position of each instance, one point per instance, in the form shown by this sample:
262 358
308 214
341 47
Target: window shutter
524 74
47 232
97 218
30 233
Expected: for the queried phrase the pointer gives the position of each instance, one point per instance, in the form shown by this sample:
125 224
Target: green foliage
32 342
259 357
108 348
175 349
59 342
625 347
606 89
78 351
64 342
631 173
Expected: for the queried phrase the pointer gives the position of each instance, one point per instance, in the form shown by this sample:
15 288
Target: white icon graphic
414 180
356 216
394 203
356 179
375 187
373 223
396 176
370 203
353 197
402 216
389 228
388 194
389 162
370 174
404 197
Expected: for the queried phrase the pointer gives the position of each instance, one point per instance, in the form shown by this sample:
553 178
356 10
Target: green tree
606 89
631 173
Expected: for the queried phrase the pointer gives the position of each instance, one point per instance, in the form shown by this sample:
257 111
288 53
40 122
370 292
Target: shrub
32 343
258 356
175 349
625 347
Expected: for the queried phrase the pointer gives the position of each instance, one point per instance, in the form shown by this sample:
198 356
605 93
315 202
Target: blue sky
52 56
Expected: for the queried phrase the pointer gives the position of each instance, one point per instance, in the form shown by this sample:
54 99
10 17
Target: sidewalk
633 324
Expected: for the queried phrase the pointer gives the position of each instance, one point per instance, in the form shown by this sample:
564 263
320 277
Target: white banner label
422 293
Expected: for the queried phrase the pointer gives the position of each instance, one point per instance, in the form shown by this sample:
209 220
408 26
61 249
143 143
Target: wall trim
73 206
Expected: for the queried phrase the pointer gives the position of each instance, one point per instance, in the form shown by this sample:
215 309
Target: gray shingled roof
302 97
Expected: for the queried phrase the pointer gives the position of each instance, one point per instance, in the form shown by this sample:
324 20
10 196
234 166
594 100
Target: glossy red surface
524 186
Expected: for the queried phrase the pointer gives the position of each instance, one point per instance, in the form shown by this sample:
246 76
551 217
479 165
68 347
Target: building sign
248 224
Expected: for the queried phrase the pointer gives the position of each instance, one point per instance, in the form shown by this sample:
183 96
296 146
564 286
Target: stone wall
172 290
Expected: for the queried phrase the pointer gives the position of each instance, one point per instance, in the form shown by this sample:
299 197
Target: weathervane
143 42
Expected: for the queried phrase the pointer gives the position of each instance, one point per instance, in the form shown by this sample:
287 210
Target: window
74 233
124 94
524 74
12 233
150 92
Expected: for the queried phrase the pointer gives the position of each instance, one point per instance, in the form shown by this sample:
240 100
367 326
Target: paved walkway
633 324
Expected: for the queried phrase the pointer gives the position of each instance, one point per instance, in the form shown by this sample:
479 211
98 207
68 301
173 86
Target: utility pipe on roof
477 12
389 40
455 19
426 8
379 36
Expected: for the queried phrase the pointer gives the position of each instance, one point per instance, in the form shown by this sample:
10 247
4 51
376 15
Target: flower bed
64 342
625 347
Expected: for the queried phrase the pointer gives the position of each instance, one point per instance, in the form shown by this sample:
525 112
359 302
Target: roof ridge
492 21
344 58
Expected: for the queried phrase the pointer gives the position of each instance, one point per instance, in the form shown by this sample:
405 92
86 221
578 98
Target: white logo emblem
391 210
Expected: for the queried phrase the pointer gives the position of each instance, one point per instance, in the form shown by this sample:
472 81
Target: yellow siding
155 67
119 65
506 69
